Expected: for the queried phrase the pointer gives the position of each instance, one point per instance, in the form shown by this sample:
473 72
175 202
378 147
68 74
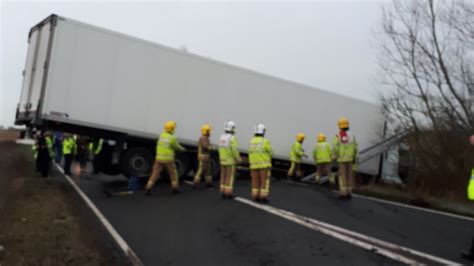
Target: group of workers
60 145
343 151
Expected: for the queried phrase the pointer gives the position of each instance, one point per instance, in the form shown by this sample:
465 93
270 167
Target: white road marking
305 222
25 141
348 236
108 226
416 208
395 203
189 182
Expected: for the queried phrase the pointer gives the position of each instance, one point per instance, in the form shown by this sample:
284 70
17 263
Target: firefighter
469 252
69 148
345 152
229 156
166 147
322 159
204 158
260 158
296 155
45 153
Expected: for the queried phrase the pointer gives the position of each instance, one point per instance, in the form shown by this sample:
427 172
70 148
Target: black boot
469 252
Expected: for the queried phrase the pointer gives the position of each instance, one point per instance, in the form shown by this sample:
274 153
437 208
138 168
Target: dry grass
9 135
40 224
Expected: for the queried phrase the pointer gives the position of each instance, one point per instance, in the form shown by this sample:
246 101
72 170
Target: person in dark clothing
44 147
58 146
81 155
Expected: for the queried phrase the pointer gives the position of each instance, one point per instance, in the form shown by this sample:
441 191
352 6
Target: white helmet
229 126
260 129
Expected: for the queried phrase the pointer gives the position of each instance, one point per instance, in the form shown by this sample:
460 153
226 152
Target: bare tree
426 59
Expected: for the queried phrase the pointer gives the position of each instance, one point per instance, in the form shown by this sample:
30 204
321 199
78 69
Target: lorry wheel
215 167
183 165
137 162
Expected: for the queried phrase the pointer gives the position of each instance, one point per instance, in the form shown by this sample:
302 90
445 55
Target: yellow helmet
321 137
300 137
343 123
170 126
206 129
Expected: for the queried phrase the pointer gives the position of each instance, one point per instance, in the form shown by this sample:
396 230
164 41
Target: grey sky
322 44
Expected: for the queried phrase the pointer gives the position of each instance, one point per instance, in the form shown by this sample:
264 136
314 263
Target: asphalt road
196 227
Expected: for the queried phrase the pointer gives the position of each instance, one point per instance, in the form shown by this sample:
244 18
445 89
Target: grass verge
41 222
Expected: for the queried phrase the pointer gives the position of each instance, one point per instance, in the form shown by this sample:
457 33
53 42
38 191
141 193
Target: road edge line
107 225
452 215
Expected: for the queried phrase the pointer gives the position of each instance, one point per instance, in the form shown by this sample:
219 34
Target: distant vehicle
88 80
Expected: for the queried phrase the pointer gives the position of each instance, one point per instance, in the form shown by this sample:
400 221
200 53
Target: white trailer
89 80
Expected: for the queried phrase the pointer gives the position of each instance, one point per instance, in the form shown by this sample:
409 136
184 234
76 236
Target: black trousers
43 162
67 163
97 163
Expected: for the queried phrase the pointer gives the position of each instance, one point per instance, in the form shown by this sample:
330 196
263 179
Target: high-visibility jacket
49 145
260 153
228 151
345 152
166 147
96 147
69 146
322 152
35 151
470 187
297 152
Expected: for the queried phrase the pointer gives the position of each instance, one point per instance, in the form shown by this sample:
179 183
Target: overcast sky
325 44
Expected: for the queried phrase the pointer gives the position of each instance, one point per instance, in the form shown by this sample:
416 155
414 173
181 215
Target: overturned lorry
92 81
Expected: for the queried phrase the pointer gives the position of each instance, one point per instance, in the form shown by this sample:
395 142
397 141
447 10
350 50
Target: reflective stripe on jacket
470 186
166 147
228 150
322 153
297 152
345 152
260 153
98 149
49 145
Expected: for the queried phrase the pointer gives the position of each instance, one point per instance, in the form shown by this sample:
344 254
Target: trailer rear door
35 70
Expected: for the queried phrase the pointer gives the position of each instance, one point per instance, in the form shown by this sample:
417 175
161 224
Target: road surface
303 225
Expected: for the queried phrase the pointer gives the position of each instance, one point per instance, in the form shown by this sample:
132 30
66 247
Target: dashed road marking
369 243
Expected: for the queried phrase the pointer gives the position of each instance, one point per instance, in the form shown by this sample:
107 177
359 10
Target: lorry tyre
215 167
183 165
137 162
